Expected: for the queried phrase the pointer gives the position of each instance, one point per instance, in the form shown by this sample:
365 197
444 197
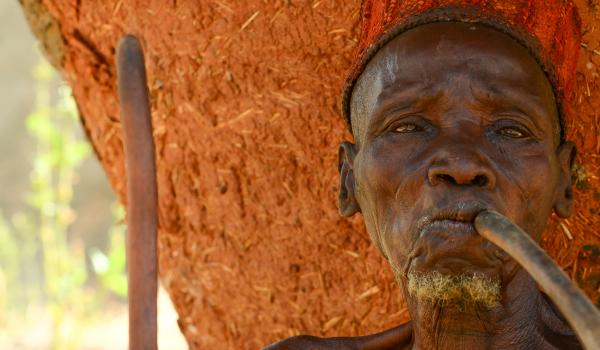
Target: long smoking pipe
579 311
141 194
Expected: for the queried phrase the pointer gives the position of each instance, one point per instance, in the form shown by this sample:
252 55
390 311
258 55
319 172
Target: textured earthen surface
245 102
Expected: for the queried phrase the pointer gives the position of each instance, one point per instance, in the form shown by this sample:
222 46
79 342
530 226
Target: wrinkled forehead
419 59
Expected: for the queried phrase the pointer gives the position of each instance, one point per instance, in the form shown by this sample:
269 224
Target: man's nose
458 166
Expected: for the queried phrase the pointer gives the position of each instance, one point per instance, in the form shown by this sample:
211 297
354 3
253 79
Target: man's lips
456 217
451 227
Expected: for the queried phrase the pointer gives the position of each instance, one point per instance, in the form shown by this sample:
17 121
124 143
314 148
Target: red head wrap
549 29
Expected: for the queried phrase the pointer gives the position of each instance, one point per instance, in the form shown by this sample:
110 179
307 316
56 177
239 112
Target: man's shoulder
396 338
305 342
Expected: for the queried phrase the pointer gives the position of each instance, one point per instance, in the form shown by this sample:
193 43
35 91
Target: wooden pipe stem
579 311
141 194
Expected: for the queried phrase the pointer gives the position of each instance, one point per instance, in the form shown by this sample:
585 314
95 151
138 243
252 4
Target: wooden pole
141 194
579 311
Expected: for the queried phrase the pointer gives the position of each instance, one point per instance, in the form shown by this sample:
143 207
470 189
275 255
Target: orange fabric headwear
549 29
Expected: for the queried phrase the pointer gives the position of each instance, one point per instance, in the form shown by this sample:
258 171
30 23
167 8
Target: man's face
450 119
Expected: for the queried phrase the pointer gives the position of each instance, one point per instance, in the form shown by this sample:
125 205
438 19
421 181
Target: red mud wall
246 116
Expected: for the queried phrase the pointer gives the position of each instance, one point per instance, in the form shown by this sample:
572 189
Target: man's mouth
456 218
451 227
449 243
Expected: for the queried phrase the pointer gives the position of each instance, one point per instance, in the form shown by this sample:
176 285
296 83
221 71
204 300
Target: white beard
460 290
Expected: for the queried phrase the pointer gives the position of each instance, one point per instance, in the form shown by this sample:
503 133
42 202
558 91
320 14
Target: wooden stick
579 311
141 194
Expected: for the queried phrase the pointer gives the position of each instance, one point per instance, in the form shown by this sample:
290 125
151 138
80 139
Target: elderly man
457 107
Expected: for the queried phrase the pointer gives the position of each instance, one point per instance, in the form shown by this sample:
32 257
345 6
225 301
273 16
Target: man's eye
512 133
406 128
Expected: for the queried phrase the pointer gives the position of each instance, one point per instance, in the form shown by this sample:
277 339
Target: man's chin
463 289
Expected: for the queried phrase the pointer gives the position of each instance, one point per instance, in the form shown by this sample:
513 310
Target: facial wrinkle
378 232
437 322
512 179
371 220
402 185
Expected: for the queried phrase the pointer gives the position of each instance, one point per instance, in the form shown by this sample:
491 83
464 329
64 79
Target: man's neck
517 323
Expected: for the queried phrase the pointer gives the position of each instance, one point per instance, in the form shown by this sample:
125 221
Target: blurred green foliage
110 267
41 261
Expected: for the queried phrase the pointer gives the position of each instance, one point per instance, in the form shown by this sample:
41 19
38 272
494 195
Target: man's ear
347 203
563 203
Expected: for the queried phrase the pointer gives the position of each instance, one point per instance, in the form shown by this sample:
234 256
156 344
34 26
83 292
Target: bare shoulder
305 342
396 338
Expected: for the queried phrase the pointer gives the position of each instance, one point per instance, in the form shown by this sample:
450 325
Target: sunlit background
62 237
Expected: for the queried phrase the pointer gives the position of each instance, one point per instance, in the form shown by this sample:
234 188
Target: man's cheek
380 225
526 197
388 164
377 177
375 193
398 239
537 211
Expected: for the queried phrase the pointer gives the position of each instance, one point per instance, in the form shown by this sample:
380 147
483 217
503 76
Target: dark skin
451 119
